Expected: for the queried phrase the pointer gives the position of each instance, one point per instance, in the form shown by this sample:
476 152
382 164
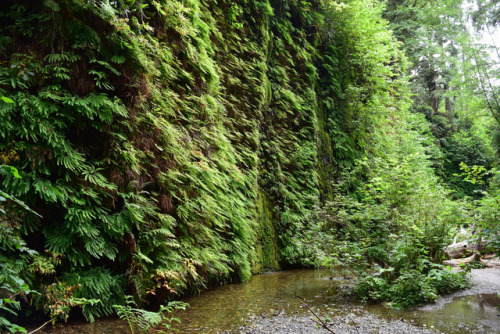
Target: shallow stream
228 307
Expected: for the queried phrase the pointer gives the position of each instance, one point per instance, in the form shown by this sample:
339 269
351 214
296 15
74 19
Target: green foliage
487 220
354 89
411 287
486 209
486 13
142 321
58 299
96 284
148 163
455 140
452 79
127 174
14 255
172 145
12 287
464 149
394 226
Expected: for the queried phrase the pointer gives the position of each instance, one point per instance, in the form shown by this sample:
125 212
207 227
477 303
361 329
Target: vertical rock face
174 144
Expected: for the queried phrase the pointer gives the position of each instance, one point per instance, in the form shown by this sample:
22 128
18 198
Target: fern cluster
167 146
142 321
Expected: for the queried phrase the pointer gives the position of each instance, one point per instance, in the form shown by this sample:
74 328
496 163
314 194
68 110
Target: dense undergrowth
390 231
167 146
173 145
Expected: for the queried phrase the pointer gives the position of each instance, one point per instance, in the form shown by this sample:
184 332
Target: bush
410 288
447 281
14 256
390 211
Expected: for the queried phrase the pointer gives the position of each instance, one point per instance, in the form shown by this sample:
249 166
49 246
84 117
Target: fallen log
491 263
458 262
458 250
462 249
477 246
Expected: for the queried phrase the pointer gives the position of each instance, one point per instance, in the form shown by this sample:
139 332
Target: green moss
266 251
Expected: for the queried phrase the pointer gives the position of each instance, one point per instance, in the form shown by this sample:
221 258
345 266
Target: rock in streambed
355 321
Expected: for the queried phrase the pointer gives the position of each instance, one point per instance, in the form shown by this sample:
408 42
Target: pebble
350 323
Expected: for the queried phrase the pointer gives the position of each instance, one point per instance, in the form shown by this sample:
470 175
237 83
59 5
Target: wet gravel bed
486 280
355 321
271 312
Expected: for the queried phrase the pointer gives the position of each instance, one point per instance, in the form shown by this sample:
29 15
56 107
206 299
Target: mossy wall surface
167 145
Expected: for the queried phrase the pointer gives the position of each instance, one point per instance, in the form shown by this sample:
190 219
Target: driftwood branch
42 326
320 321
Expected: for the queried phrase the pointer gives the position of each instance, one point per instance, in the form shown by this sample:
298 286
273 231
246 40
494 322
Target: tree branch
319 321
42 326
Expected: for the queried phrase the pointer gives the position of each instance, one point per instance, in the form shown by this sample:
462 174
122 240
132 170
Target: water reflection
227 307
485 303
269 294
466 314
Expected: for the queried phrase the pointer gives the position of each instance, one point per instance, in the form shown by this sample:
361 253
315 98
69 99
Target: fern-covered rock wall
173 144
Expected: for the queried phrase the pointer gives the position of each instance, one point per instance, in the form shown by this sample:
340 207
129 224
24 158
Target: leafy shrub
411 287
372 288
393 214
15 256
447 281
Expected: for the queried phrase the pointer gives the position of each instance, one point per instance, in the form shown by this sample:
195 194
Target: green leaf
6 99
9 170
